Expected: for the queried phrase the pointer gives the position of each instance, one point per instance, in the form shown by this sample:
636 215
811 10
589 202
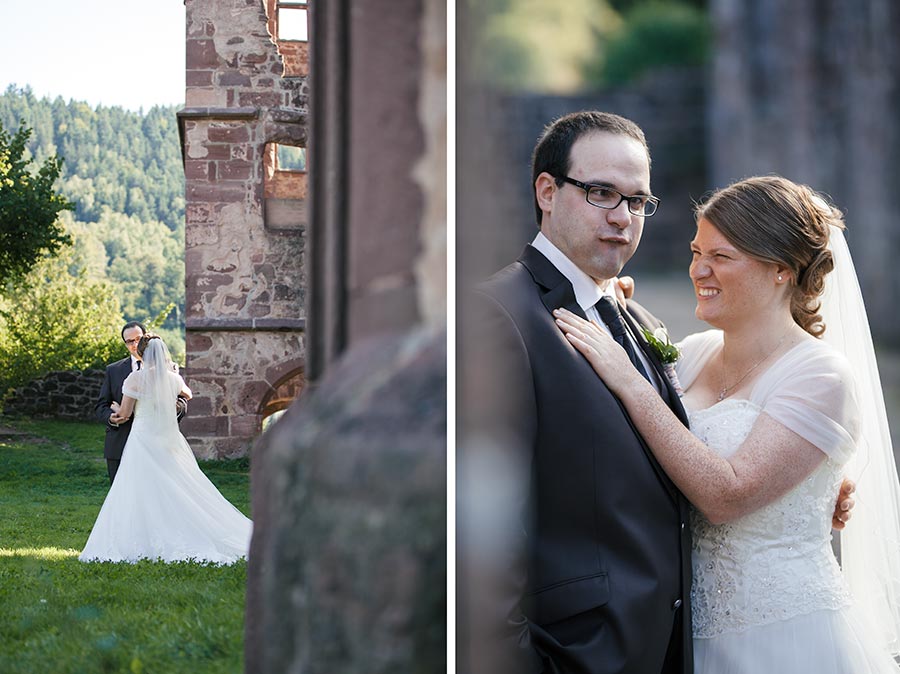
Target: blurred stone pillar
347 567
809 90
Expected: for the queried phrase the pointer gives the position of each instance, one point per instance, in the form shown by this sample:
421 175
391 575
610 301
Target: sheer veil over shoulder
870 545
156 388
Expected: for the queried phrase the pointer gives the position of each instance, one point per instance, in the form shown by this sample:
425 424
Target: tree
534 45
115 183
655 34
29 207
57 319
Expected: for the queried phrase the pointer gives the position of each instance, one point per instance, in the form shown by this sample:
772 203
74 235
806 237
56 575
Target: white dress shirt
587 293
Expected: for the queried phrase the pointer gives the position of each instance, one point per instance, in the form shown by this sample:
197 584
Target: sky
128 53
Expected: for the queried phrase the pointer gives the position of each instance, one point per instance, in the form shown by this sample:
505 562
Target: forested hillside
123 172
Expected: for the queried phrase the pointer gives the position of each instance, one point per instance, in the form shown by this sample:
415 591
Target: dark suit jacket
111 391
598 573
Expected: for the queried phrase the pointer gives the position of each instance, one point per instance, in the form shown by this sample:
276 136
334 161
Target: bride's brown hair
145 340
775 220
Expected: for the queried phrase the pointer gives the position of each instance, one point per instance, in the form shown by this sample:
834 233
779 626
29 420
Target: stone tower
245 112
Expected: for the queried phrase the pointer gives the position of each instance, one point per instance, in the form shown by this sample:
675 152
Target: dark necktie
138 364
610 314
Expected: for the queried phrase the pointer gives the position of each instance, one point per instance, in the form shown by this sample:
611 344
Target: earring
780 278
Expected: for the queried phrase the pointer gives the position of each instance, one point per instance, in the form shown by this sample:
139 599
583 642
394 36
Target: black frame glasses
644 205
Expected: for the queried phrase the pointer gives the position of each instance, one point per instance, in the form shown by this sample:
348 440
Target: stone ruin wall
245 224
57 395
809 90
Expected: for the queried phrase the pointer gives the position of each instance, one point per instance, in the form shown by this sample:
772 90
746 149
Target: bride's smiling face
731 287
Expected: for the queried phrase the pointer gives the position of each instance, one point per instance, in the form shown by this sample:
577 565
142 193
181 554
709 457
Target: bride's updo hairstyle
145 340
775 220
164 356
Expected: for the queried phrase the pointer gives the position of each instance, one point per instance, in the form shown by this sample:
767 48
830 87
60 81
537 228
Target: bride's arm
769 463
127 407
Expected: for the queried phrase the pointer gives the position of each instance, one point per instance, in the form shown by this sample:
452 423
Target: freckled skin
745 294
769 463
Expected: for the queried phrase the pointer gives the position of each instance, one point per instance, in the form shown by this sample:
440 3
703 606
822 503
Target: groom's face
597 240
132 336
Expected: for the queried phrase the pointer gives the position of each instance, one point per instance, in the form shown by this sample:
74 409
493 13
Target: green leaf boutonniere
668 354
659 341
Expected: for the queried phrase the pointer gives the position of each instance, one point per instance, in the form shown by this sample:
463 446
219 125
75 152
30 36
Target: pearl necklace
725 389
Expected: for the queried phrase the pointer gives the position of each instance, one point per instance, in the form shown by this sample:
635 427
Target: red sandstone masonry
228 133
214 192
256 310
217 151
201 54
208 425
196 169
197 342
198 78
234 80
255 98
253 59
238 271
236 170
243 426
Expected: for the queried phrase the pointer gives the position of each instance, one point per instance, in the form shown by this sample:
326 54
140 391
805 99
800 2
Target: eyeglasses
132 341
602 196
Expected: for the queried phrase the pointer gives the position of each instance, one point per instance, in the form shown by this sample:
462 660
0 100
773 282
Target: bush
57 319
535 45
173 338
655 34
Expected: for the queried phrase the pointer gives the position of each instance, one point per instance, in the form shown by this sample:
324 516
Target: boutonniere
659 341
667 353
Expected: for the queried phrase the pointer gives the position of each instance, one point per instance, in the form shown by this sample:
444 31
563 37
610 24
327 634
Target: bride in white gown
777 416
161 505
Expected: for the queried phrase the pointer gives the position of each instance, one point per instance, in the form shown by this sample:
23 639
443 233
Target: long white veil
160 387
870 545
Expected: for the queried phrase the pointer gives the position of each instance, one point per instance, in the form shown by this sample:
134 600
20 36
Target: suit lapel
670 396
124 370
557 291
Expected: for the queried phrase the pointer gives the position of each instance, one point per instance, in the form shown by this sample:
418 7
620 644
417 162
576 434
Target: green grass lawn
63 616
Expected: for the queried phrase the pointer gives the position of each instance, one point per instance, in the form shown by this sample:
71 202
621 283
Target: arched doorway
283 393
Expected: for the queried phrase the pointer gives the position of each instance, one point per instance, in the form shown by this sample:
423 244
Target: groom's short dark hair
554 147
133 324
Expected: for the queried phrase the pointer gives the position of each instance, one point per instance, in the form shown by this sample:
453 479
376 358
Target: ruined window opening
290 158
285 185
293 20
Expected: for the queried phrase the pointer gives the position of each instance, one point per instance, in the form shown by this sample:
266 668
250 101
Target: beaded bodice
771 564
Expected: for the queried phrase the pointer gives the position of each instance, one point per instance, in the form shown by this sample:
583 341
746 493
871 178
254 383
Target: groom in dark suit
574 545
117 428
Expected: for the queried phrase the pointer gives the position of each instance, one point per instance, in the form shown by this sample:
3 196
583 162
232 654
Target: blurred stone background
723 89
